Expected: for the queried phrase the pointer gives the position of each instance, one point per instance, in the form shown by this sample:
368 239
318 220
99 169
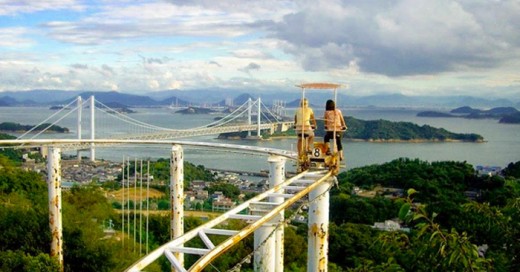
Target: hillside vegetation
16 127
508 115
383 130
446 227
388 131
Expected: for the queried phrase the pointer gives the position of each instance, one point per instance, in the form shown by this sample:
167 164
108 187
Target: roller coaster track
265 209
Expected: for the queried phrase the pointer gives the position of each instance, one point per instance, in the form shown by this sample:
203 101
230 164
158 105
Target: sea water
501 146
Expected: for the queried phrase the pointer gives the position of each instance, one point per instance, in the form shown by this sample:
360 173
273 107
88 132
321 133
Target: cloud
79 66
14 37
250 53
402 37
15 7
150 19
251 66
107 71
154 60
215 63
402 46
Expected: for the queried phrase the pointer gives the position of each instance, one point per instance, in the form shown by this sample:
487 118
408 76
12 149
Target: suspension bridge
251 116
263 215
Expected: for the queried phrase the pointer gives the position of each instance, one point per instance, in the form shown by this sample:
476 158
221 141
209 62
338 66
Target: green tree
350 244
229 190
295 249
437 248
512 170
21 261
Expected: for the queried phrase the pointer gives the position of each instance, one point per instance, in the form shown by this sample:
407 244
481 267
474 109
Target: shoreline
373 140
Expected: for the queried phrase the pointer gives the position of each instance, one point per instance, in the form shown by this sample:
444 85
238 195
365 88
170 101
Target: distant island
387 131
196 110
16 127
434 114
383 131
511 119
58 107
506 115
118 108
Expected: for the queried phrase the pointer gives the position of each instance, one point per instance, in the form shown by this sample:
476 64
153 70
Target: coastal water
501 146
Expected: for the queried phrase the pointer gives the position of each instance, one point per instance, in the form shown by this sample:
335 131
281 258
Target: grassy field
200 214
135 194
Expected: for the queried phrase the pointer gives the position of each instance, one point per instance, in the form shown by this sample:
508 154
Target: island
510 119
380 131
434 114
58 107
507 115
16 127
118 108
196 110
387 131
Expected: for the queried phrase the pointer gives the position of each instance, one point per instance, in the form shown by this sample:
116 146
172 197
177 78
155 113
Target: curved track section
291 190
82 144
256 212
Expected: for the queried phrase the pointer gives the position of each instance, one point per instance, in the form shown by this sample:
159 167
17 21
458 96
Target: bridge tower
249 109
80 108
258 117
92 128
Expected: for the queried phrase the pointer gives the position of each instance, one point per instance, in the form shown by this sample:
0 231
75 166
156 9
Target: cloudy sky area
412 47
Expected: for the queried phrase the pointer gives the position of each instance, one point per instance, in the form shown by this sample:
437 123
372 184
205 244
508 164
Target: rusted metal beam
221 248
154 255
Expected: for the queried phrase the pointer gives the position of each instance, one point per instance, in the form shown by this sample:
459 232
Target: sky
410 47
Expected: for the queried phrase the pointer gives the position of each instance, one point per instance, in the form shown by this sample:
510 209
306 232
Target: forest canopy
448 229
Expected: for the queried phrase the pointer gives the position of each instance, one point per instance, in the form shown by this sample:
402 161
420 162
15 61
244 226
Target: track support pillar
54 190
177 196
277 176
318 236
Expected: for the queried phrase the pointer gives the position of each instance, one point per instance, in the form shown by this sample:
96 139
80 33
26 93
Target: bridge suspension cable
137 129
47 119
223 120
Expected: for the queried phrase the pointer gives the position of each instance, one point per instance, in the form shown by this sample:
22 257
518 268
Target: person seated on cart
334 124
304 123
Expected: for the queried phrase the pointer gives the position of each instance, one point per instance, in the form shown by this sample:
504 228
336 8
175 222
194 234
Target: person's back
303 118
304 124
333 120
334 125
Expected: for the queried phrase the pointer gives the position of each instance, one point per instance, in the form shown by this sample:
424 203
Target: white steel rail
76 144
212 251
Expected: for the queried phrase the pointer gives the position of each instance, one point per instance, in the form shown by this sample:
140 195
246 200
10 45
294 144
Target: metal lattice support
294 189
